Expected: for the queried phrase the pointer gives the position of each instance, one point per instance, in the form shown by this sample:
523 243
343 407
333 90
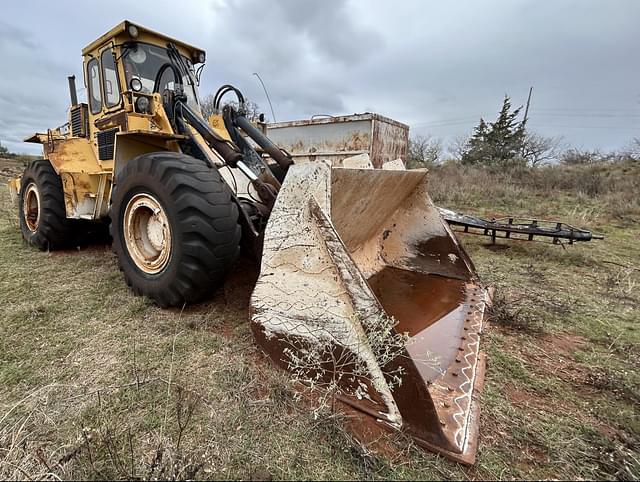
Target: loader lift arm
240 153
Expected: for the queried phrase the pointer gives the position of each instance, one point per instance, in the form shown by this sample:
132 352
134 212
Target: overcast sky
437 66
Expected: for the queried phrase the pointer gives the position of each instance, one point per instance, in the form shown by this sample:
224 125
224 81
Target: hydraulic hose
230 155
263 141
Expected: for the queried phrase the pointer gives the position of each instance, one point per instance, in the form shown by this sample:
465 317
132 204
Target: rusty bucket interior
346 247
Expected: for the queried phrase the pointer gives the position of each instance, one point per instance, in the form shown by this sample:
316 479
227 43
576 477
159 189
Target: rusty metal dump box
336 138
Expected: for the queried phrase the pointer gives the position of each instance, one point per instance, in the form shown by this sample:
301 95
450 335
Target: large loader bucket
352 259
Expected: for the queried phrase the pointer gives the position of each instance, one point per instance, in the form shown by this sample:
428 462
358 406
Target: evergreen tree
499 142
477 151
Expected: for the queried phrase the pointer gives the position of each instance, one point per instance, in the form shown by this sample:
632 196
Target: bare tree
575 156
206 105
538 150
423 151
251 108
457 146
634 149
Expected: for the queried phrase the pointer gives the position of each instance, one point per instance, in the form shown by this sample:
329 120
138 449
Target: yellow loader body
363 288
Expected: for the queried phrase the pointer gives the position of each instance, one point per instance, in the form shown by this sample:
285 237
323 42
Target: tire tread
206 226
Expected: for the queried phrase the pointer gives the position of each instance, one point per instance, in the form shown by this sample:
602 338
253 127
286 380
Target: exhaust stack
72 90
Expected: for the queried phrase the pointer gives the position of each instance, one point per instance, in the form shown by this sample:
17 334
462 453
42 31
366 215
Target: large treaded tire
203 221
53 230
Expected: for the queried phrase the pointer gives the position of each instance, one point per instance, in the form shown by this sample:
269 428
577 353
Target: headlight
201 57
142 105
133 31
135 84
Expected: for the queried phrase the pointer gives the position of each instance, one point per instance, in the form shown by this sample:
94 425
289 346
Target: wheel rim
147 233
31 207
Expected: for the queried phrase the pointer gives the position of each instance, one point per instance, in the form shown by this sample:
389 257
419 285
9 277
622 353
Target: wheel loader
357 265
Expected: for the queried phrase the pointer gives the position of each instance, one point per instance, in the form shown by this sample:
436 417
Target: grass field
98 383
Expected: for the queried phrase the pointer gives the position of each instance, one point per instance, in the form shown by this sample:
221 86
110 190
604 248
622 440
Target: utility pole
267 94
526 116
526 109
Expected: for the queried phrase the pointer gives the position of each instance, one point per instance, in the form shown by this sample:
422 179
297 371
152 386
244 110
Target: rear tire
43 219
174 226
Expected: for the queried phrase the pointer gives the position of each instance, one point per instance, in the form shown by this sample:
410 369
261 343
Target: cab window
110 79
93 77
144 62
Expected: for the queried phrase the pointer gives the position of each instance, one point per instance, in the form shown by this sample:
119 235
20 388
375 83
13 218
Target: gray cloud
438 66
331 29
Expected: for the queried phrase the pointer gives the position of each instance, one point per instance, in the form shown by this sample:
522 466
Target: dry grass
601 189
98 383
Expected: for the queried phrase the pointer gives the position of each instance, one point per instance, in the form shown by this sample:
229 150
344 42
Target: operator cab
152 69
129 64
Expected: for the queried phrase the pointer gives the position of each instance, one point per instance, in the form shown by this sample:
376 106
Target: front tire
174 226
43 220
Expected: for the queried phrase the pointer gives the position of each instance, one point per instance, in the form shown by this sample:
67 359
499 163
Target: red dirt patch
551 353
228 308
529 400
531 457
565 343
519 397
554 354
371 436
